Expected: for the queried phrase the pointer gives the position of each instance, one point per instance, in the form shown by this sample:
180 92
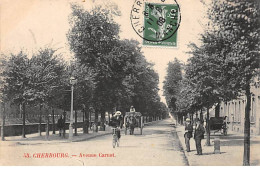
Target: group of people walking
198 135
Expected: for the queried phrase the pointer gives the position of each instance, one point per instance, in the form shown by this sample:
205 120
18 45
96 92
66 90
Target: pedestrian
198 135
121 121
64 124
188 134
60 125
132 109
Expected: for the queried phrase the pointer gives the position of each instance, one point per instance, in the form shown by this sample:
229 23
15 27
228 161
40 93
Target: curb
183 150
57 142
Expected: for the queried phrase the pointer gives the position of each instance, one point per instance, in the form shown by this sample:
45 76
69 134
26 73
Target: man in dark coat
60 125
198 135
188 134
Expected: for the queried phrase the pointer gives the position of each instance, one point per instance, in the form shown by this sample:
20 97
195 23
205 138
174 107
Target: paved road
159 145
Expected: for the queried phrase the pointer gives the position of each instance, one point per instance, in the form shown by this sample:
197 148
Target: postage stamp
156 22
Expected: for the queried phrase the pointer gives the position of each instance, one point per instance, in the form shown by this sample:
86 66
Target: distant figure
64 124
121 121
198 135
60 125
132 109
132 122
188 134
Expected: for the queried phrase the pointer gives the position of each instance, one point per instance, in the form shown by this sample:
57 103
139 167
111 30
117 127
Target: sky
32 24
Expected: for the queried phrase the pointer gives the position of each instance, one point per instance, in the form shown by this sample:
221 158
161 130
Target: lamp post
72 82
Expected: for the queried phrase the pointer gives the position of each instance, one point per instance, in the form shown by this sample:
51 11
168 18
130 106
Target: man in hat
60 125
188 133
198 135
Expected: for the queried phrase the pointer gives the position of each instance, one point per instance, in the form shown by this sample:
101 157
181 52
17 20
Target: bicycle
115 137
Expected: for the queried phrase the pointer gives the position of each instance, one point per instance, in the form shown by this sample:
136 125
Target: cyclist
115 122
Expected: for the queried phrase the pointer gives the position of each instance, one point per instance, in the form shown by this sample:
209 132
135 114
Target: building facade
235 111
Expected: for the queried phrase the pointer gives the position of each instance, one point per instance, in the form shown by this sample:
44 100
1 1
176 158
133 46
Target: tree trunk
21 110
64 127
84 121
53 122
96 121
87 120
47 127
23 129
76 123
208 128
201 115
217 110
3 122
177 120
102 123
246 157
40 122
108 117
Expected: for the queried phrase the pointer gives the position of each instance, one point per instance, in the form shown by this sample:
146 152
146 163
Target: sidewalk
33 139
231 148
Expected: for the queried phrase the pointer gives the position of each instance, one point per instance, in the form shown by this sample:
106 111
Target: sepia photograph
129 83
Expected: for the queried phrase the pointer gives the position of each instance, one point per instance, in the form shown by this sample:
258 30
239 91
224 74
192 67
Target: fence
16 129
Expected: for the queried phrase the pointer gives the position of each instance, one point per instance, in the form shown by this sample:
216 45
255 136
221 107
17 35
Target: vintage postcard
130 82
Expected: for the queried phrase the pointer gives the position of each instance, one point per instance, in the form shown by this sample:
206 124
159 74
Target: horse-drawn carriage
133 120
218 124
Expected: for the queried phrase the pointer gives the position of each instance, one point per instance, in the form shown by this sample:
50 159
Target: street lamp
72 82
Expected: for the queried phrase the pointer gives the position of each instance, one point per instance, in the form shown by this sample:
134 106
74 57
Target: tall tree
172 84
188 100
2 96
238 23
119 66
92 37
84 91
229 56
17 80
45 77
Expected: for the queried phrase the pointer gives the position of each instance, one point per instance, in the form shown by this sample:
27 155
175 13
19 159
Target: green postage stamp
156 22
161 23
